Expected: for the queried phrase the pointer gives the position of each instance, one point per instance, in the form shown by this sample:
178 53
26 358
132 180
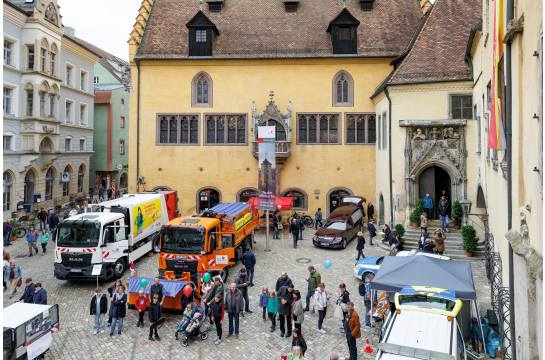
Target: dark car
341 226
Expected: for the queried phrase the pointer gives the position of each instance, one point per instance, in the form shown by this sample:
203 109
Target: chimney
70 32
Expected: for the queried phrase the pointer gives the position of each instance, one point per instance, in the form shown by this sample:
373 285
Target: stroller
193 329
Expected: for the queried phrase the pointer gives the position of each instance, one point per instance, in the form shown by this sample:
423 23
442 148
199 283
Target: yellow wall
307 83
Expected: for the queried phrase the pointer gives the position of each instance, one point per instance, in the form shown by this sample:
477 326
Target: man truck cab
110 236
424 326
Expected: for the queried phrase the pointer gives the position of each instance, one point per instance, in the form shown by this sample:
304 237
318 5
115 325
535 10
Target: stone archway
433 180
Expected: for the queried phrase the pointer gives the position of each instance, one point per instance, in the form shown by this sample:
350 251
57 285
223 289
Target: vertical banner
38 334
267 168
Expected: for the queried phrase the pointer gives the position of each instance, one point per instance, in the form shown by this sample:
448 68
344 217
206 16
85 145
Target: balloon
328 264
187 290
206 277
143 283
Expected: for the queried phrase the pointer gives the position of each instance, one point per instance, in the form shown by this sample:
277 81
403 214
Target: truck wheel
224 273
247 244
119 268
155 245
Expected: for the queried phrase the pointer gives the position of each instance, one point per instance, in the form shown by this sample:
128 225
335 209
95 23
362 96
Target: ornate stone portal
434 143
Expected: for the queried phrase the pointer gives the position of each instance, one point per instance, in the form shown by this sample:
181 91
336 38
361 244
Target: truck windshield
79 233
427 302
182 240
335 225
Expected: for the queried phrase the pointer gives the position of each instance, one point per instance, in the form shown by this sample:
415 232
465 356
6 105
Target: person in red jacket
217 309
140 305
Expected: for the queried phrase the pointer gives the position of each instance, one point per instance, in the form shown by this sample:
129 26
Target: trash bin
27 207
37 198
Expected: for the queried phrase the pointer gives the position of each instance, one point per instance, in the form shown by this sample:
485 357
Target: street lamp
466 208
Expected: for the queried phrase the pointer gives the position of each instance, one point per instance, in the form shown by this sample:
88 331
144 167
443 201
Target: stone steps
455 253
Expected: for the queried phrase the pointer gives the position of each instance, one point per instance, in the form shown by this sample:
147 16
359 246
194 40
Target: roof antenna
200 2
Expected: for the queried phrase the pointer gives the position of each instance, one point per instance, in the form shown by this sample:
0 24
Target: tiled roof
263 28
24 5
439 51
103 97
107 87
105 59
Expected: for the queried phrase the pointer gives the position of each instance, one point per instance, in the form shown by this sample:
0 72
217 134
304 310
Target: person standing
298 340
424 221
343 297
444 197
272 309
442 211
320 300
55 221
112 290
44 238
386 230
31 237
370 211
218 311
99 307
276 220
7 232
28 294
217 289
360 246
263 301
301 226
109 192
318 218
428 205
154 312
50 220
285 299
249 261
242 284
158 289
439 238
352 330
233 302
13 275
294 231
372 231
283 280
40 296
118 309
368 299
101 192
42 216
314 279
140 305
297 310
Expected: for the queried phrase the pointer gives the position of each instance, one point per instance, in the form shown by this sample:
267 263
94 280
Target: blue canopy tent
173 291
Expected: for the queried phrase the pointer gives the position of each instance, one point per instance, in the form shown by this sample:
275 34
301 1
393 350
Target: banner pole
267 216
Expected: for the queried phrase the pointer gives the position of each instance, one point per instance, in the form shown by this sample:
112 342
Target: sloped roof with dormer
263 28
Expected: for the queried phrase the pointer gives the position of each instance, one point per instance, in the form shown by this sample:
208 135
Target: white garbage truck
112 234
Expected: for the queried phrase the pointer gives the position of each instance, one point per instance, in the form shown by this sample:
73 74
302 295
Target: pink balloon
187 290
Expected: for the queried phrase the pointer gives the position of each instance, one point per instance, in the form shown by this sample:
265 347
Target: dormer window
366 5
291 5
344 33
214 5
202 35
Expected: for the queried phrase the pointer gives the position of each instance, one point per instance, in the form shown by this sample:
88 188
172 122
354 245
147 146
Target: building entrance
433 181
208 198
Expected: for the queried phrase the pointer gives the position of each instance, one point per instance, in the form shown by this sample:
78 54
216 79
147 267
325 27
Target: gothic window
217 124
201 90
42 104
379 128
358 128
280 131
384 131
372 132
177 129
29 102
343 89
318 128
66 185
461 107
8 183
81 174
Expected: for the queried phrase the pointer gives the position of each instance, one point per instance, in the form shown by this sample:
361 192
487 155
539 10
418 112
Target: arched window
207 198
246 194
43 55
66 181
8 183
160 188
334 198
201 90
343 89
81 174
123 181
300 198
280 130
49 177
30 179
53 59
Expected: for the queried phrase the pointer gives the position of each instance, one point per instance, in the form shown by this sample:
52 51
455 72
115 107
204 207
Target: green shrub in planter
14 229
418 211
457 213
400 230
469 236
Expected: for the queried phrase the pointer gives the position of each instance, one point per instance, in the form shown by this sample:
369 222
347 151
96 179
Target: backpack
361 288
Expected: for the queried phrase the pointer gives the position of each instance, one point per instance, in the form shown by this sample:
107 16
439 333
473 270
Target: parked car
370 265
354 201
341 226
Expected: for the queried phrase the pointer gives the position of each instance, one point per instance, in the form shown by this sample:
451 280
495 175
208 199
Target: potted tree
470 240
418 211
14 229
400 230
457 215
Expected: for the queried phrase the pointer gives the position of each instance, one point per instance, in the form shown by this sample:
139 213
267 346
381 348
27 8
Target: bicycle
21 230
308 221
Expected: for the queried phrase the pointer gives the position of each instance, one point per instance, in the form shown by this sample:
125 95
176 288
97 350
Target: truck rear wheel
224 274
155 245
119 268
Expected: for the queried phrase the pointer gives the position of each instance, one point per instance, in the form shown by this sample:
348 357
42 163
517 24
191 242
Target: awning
282 203
172 287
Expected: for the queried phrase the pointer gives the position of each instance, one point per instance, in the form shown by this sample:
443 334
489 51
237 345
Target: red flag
133 268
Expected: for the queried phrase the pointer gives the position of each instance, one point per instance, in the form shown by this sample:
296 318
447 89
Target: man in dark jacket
442 211
301 227
233 305
42 215
392 237
7 232
249 261
285 299
318 218
360 246
276 221
28 295
109 192
154 311
99 309
40 296
242 283
372 231
283 280
159 289
370 211
294 231
55 220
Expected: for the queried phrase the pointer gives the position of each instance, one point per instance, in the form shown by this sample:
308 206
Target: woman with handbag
320 301
112 290
343 297
297 313
13 274
118 310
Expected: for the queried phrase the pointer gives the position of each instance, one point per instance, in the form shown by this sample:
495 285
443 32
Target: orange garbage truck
209 242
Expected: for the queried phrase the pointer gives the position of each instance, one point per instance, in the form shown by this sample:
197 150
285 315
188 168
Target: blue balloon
328 264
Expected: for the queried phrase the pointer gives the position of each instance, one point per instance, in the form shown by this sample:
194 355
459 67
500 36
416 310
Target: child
44 238
424 221
186 317
140 305
218 310
154 316
272 308
263 300
99 307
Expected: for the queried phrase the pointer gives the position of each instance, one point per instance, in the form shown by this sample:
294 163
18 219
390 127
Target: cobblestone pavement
76 341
